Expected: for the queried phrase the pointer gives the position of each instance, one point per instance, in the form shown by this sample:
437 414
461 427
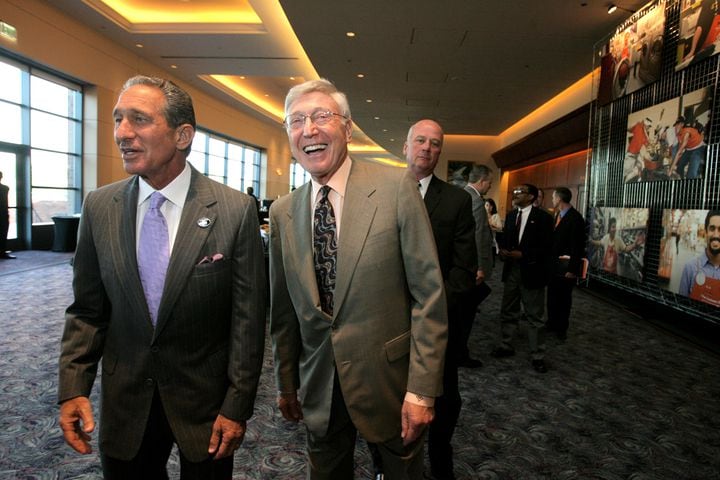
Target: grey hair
178 108
323 86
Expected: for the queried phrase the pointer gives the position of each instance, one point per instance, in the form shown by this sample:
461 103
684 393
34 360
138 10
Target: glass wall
42 117
226 161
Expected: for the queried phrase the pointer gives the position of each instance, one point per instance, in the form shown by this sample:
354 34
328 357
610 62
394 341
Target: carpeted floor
622 400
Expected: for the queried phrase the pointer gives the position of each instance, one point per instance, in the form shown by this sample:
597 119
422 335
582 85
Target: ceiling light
360 75
612 7
139 45
377 118
369 100
350 34
173 66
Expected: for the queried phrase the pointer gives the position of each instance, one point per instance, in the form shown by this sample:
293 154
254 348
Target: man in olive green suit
369 359
184 372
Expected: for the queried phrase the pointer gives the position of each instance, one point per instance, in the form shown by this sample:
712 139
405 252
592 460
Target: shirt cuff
418 399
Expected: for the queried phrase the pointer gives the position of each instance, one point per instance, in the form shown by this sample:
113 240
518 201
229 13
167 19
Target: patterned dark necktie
153 254
325 243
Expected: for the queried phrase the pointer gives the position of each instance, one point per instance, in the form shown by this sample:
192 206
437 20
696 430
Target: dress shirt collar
176 191
338 182
424 183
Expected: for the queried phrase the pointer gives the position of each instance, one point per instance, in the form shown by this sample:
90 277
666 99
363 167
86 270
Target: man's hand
479 277
77 423
414 418
227 436
290 407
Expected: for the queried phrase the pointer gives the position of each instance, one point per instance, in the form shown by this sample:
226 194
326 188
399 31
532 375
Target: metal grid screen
607 188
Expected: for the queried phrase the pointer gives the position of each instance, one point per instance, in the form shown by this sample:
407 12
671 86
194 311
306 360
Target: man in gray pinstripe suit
188 373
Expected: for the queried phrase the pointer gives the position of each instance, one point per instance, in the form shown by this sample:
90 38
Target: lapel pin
204 222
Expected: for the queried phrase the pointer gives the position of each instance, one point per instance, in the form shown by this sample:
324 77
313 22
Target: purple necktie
153 254
325 243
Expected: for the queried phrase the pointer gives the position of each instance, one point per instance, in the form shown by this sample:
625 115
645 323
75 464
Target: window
43 114
226 161
298 175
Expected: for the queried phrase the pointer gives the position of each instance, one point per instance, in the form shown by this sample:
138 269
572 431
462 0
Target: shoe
502 352
7 256
539 366
470 363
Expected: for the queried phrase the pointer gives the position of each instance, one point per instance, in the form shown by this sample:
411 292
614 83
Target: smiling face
320 149
422 147
148 145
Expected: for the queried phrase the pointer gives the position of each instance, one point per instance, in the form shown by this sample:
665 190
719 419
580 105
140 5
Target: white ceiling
476 66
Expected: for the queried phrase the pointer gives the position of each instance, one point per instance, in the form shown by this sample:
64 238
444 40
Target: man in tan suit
184 370
366 355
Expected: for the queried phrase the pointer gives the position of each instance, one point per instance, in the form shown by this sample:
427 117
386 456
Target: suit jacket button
155 349
149 382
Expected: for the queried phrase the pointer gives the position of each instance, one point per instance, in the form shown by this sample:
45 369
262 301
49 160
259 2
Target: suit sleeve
577 243
425 284
86 319
249 300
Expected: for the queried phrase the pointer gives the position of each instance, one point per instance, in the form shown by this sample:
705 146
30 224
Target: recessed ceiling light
292 78
377 118
360 75
369 100
242 77
139 45
267 94
392 139
173 66
350 34
384 130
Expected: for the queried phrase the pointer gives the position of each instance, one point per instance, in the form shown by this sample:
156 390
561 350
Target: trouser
559 303
150 463
447 411
330 456
516 299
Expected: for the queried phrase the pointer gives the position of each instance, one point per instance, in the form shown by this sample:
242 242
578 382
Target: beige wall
63 44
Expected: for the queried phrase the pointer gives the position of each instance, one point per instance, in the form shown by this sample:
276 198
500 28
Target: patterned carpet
622 400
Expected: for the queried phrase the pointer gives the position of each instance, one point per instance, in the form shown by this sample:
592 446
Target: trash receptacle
66 228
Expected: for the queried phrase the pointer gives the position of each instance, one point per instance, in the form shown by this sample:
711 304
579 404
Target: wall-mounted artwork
617 240
667 141
634 53
689 253
699 32
458 172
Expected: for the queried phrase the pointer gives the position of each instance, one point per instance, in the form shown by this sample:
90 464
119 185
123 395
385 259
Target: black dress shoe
470 363
502 352
539 366
7 256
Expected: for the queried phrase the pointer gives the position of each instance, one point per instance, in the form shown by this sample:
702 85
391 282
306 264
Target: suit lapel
190 238
432 196
299 234
357 217
122 218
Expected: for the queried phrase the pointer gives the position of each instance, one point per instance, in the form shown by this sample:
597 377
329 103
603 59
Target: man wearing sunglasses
525 248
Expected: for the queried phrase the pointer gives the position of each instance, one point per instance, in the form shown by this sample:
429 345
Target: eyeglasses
518 191
296 121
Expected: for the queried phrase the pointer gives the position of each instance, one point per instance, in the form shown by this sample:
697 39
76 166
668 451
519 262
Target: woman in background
496 223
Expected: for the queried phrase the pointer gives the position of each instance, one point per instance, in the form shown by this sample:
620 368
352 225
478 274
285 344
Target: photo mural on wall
617 240
634 53
690 254
667 141
699 32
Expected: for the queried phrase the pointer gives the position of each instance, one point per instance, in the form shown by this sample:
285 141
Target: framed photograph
686 251
617 240
699 32
458 172
667 141
634 53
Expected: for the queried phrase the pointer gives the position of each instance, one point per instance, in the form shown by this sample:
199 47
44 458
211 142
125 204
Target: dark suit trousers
151 461
447 406
518 299
4 227
559 303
